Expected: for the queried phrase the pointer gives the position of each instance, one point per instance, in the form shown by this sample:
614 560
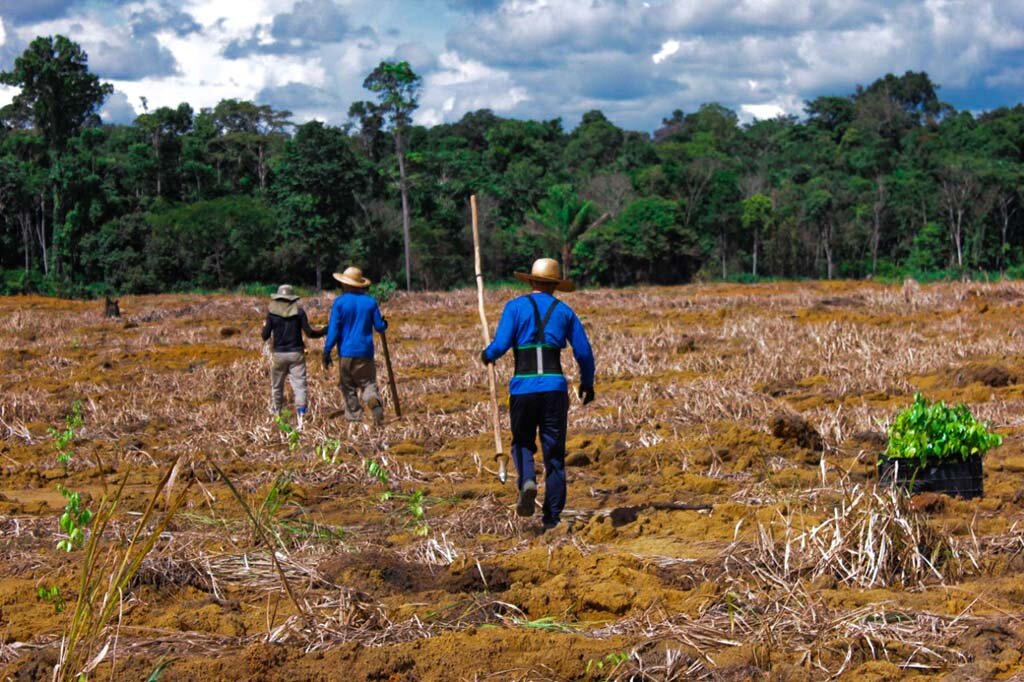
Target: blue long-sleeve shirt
354 316
518 327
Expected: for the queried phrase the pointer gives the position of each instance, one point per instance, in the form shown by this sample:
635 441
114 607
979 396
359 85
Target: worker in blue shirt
536 327
354 316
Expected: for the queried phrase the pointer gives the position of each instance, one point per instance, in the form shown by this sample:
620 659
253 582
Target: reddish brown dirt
767 402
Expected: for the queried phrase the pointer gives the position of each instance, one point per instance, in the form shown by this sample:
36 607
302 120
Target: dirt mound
992 375
840 302
687 344
263 657
929 503
777 389
377 573
793 428
875 440
35 665
994 647
477 578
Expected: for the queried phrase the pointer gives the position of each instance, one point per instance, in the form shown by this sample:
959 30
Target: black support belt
539 358
536 361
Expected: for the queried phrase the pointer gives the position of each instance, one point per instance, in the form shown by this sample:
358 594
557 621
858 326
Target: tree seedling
377 471
935 432
328 450
415 506
64 438
51 594
290 433
73 521
611 661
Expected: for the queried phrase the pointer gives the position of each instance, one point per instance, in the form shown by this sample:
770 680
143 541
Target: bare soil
766 403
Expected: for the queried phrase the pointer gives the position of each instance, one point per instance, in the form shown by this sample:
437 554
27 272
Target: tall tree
819 210
314 189
593 145
959 189
57 90
165 127
58 95
397 87
1009 181
757 217
246 131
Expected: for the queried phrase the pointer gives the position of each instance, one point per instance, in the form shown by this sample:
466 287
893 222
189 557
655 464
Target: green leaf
934 431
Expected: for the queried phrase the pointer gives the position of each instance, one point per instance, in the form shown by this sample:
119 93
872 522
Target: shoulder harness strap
539 323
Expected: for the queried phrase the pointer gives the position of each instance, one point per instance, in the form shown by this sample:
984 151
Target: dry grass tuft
873 538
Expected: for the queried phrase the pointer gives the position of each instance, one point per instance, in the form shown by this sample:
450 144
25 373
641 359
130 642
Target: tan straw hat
546 271
353 277
285 293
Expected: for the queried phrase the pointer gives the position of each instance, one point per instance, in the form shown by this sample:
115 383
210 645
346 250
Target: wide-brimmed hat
353 277
546 271
285 293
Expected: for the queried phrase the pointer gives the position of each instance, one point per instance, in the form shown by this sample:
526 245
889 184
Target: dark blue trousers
547 413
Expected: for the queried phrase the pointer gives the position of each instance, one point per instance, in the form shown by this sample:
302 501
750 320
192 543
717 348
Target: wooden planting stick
499 451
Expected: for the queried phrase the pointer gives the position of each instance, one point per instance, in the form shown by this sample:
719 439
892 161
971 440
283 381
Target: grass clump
105 573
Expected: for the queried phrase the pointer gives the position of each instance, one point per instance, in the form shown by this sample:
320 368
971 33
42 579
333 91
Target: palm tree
562 218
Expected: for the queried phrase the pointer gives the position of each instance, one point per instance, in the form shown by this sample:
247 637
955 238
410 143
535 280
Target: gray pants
293 366
358 376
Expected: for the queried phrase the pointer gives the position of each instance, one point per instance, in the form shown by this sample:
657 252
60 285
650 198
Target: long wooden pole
391 373
499 451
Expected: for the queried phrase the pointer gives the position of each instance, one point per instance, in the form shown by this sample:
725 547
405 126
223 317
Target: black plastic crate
961 477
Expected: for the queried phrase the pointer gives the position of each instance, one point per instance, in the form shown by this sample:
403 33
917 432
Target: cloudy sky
636 60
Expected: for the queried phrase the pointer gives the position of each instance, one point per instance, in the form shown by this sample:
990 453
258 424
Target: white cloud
7 94
637 60
782 105
668 48
753 53
207 77
118 109
761 111
1010 77
462 85
234 17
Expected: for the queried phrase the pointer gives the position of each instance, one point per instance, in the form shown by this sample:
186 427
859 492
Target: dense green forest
886 181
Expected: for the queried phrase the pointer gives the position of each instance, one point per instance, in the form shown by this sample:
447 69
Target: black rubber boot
527 499
377 410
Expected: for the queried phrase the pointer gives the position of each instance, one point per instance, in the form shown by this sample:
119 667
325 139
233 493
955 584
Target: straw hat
546 271
285 293
353 277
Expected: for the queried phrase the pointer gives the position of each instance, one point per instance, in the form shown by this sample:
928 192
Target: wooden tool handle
499 452
391 373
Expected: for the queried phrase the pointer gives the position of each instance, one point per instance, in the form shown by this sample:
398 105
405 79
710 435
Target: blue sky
636 60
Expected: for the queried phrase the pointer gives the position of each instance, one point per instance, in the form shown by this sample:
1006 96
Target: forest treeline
886 181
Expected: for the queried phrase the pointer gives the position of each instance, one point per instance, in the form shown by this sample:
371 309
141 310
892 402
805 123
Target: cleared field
768 403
